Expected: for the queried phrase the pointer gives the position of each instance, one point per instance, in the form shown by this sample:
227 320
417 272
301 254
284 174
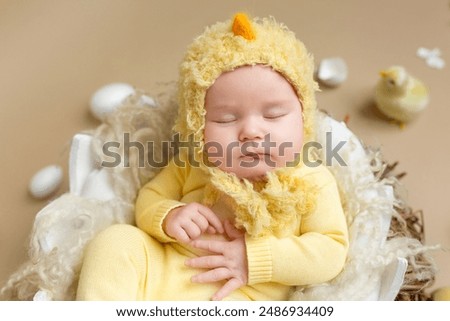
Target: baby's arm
161 213
316 255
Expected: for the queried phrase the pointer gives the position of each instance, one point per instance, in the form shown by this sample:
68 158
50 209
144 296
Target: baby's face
253 122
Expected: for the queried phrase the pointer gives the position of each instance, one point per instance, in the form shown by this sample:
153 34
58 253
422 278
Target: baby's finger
232 231
211 230
206 262
191 230
201 222
227 289
181 236
209 245
212 218
211 276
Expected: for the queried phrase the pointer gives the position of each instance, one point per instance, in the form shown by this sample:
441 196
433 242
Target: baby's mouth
254 156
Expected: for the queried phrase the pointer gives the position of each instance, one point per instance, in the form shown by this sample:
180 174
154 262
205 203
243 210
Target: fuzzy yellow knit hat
228 45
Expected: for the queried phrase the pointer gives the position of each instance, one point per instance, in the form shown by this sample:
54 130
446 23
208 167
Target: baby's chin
254 175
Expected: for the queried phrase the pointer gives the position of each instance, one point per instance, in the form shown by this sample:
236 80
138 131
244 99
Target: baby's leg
124 263
116 262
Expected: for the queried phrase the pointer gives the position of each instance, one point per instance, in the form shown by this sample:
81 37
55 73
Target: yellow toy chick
399 95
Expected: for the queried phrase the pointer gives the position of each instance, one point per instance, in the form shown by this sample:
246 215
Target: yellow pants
125 263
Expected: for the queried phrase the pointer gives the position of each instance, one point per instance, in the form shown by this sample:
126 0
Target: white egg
332 71
46 181
108 98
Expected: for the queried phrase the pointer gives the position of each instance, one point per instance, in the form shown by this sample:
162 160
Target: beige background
55 54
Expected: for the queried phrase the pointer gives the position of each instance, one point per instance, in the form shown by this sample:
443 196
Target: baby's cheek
288 152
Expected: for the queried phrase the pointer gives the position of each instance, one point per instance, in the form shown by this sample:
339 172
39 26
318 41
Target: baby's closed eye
224 119
275 113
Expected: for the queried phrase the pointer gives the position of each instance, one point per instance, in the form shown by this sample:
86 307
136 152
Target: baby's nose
251 129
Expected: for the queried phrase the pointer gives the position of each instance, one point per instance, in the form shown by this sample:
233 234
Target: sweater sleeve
156 198
316 255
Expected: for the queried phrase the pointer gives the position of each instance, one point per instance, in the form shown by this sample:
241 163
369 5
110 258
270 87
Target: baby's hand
228 261
188 222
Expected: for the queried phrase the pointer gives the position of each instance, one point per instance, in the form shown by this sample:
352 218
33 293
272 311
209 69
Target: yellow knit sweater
298 243
296 235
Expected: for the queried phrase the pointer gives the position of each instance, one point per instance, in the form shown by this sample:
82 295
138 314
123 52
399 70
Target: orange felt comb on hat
243 27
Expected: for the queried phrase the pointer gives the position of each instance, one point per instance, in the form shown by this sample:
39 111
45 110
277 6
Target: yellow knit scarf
263 208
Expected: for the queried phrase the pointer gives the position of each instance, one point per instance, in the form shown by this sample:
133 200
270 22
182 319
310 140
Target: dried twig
420 273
